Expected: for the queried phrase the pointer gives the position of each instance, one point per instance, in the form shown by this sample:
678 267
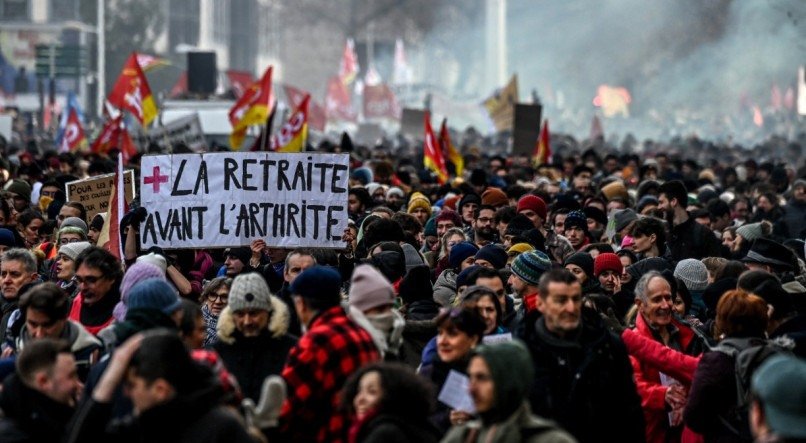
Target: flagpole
264 135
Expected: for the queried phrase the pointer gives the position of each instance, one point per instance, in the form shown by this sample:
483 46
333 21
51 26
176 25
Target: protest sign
526 128
229 199
187 130
94 192
455 392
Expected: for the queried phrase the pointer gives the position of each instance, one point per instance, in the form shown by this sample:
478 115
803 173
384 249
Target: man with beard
662 402
252 333
687 238
484 232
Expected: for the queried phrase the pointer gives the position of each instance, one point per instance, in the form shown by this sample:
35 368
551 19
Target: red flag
108 138
132 93
74 137
542 153
180 87
253 108
380 102
449 151
126 146
239 81
349 63
294 133
338 103
117 208
317 117
432 154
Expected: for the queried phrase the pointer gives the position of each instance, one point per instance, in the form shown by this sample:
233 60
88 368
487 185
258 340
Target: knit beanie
369 289
533 203
518 225
520 248
430 229
494 197
607 261
623 218
155 259
249 291
97 222
363 175
596 214
135 273
19 187
576 219
413 258
461 278
418 200
394 190
750 231
494 254
71 250
7 238
244 254
450 215
416 285
693 273
583 260
460 253
646 201
74 222
529 266
154 293
318 282
467 199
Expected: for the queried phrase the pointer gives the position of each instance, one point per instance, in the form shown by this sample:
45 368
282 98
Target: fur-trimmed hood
278 322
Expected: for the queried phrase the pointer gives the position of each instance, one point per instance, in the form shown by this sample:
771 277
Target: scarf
211 321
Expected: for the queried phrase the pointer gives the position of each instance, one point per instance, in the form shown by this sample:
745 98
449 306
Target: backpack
748 355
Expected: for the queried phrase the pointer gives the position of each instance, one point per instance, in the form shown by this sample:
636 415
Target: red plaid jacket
317 367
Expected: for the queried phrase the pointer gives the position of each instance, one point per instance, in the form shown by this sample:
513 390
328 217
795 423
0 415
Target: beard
486 233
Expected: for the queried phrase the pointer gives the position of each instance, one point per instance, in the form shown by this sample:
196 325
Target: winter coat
585 383
647 379
675 364
98 316
252 359
522 426
30 416
317 367
445 288
692 240
437 372
86 348
194 417
713 395
386 428
793 222
419 329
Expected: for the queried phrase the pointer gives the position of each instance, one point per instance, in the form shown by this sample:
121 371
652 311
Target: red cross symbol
155 179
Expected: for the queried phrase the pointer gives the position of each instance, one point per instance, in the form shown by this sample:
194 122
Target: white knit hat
693 273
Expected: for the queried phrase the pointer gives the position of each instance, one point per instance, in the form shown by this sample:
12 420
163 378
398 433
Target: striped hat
529 266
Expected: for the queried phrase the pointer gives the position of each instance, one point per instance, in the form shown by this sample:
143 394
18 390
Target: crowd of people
606 296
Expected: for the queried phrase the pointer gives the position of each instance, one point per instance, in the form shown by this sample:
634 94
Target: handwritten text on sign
229 199
94 192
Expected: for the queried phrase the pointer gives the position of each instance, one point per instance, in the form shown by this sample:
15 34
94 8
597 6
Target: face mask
382 322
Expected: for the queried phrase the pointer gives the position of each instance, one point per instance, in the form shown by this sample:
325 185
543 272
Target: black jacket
196 417
252 359
585 384
394 429
419 329
29 415
692 240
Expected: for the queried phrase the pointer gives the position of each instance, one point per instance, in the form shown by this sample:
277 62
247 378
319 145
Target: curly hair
404 393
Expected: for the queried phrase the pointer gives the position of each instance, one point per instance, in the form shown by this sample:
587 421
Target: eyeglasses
218 297
89 280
